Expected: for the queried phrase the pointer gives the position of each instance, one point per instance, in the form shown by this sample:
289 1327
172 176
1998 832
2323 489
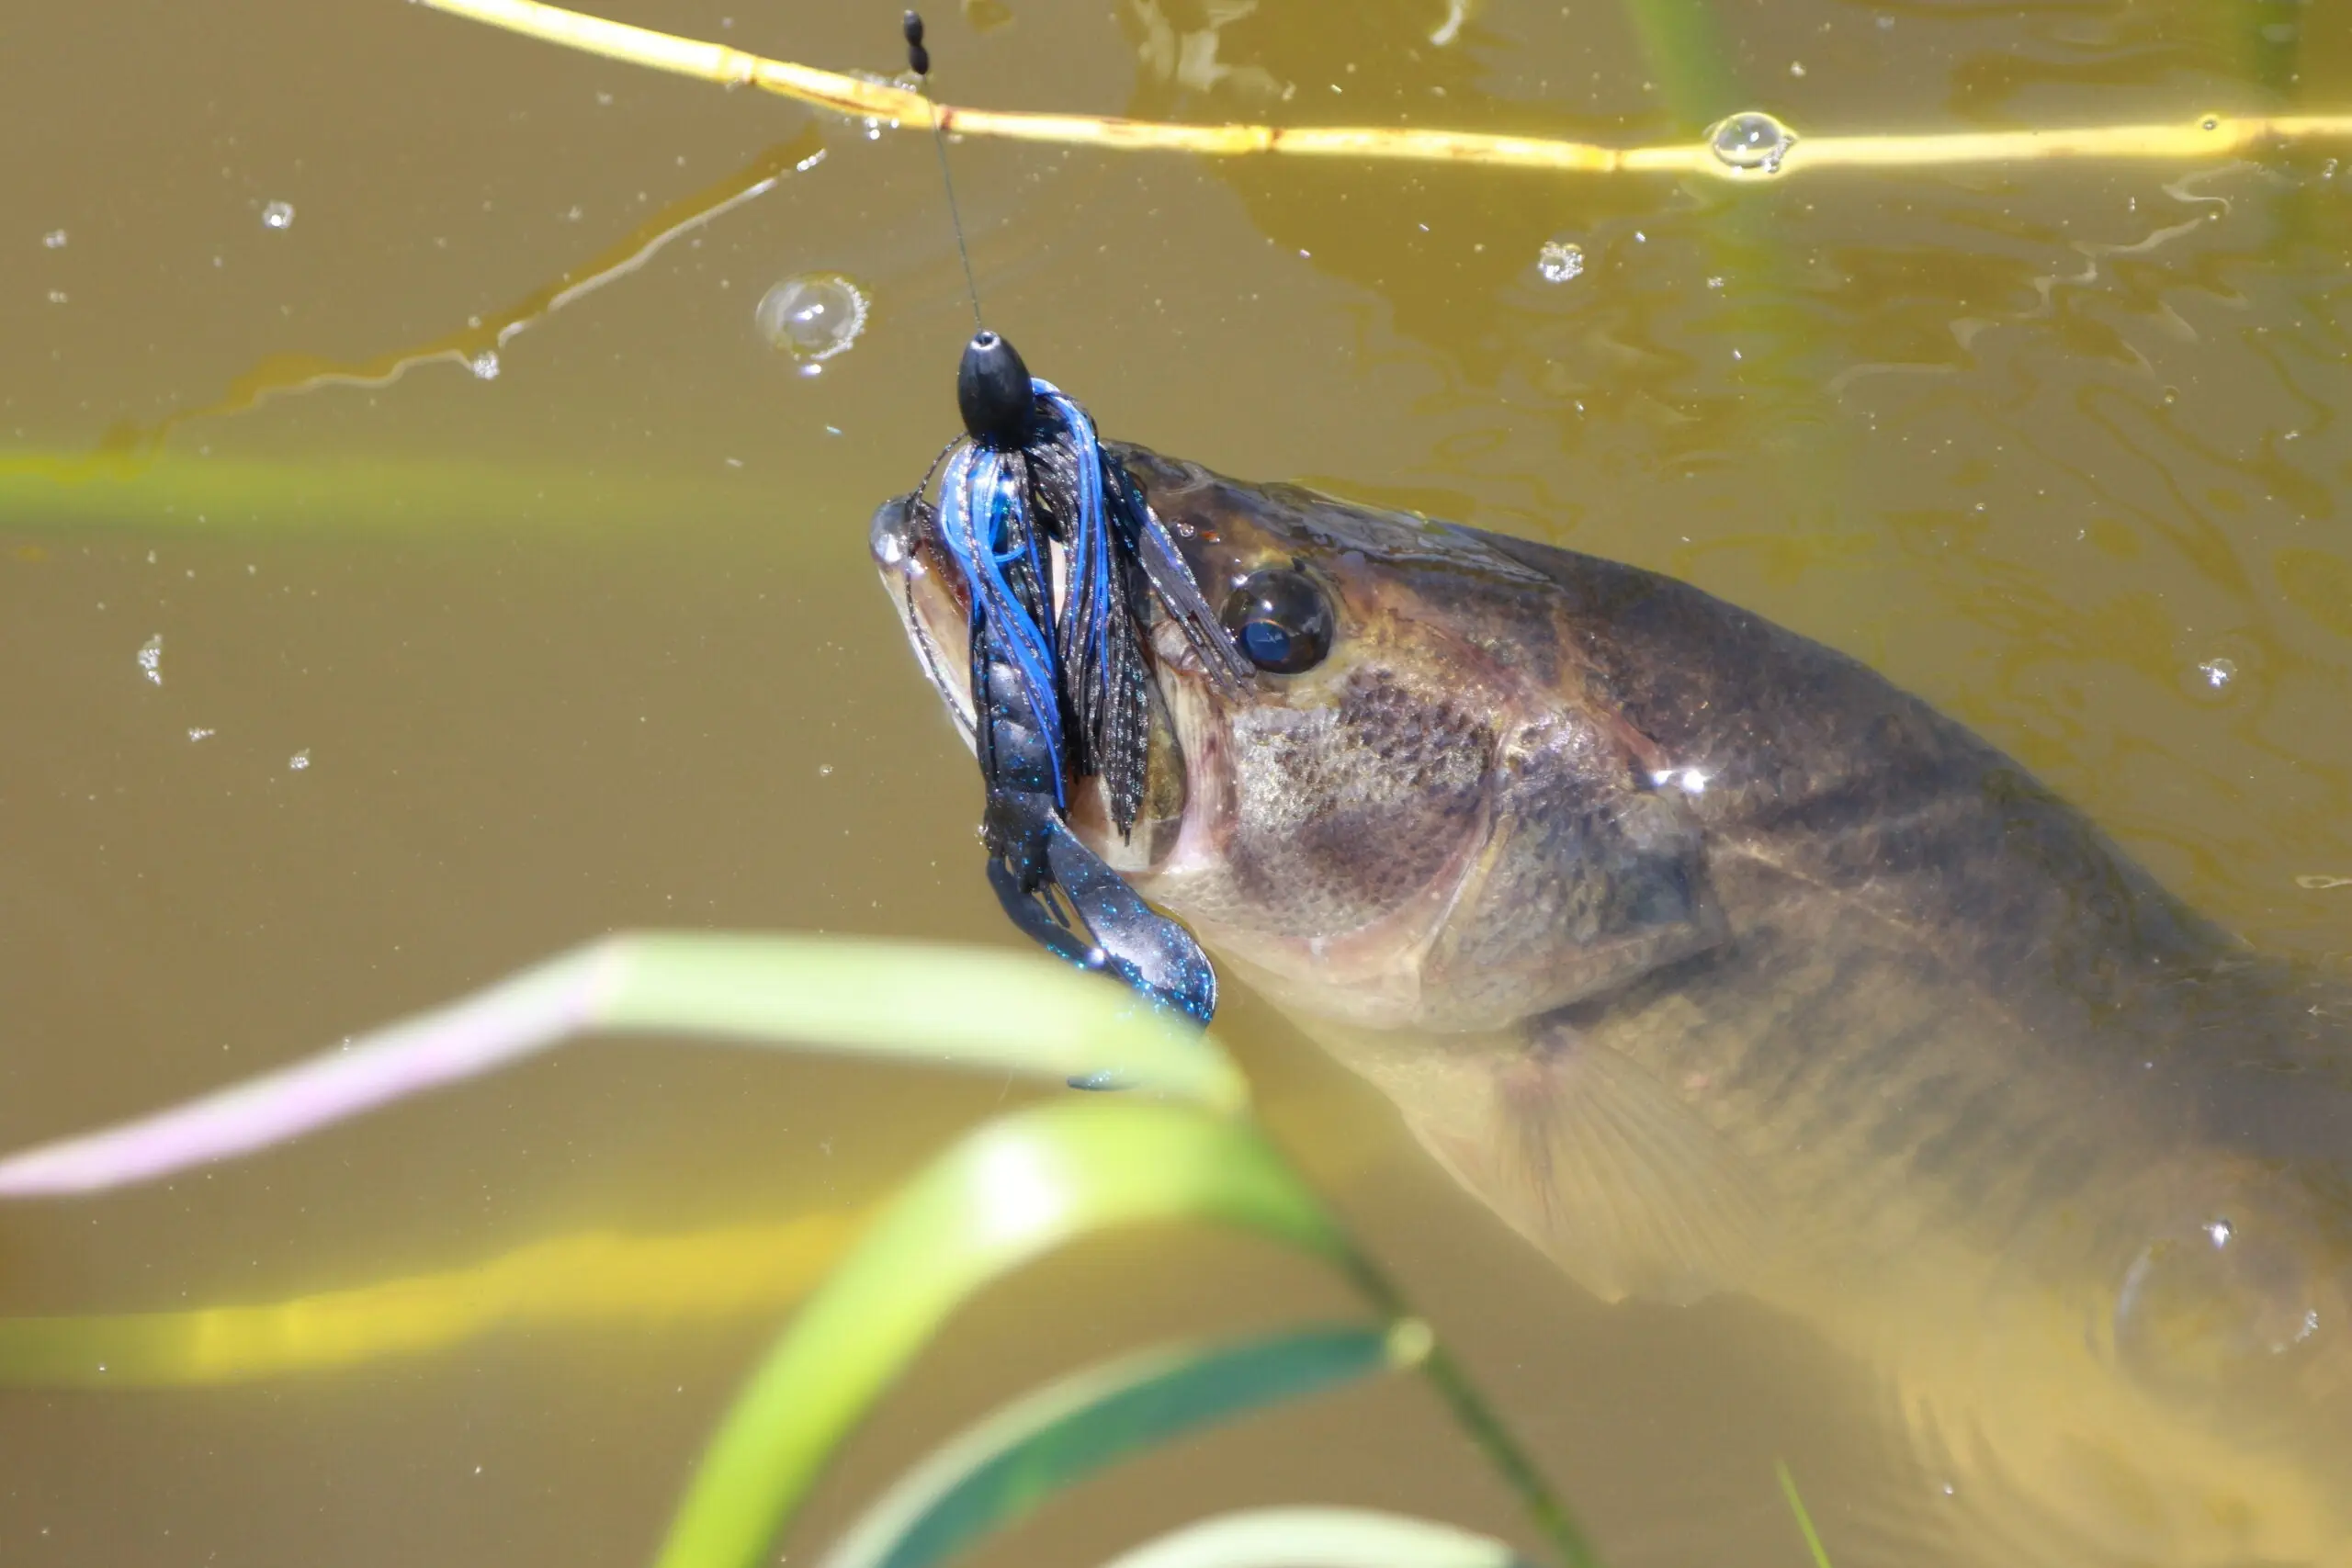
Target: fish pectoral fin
1590 1157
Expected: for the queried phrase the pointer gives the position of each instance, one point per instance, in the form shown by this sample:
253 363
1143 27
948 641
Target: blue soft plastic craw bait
1060 690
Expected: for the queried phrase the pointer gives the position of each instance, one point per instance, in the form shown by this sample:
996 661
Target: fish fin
1594 1160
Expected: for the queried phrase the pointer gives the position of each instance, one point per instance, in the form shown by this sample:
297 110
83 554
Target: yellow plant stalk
2205 137
599 1278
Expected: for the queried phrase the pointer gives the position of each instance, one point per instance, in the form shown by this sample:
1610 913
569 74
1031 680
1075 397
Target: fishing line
918 61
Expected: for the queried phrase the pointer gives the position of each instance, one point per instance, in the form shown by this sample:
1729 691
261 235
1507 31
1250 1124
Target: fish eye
1281 620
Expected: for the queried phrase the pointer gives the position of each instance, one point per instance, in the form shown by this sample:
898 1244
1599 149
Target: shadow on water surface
2059 450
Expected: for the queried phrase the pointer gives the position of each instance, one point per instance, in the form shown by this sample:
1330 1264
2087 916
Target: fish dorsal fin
1594 1160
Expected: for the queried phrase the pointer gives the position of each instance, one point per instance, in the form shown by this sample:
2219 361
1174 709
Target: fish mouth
935 607
935 610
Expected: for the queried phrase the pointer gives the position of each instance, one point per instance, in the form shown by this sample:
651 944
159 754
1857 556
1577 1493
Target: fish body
1712 961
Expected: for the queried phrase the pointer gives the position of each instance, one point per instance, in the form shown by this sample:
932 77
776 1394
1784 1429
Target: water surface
460 668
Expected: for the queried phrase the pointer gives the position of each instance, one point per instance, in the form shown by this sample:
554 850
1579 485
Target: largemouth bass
1712 962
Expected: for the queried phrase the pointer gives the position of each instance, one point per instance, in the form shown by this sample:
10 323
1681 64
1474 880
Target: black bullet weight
917 57
992 393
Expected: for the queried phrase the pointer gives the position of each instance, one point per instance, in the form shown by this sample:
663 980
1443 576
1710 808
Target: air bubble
812 316
1560 260
54 239
1750 144
277 215
2199 1314
2220 675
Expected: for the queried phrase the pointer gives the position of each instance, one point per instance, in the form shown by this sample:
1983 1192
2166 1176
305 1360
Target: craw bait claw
1060 690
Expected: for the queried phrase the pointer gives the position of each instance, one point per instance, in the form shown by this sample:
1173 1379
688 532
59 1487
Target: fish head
1420 810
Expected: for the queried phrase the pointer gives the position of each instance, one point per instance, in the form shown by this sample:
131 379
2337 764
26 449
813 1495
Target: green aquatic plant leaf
1318 1538
1177 1148
1684 50
1006 1193
1805 1520
988 1009
1008 1465
2271 38
982 1009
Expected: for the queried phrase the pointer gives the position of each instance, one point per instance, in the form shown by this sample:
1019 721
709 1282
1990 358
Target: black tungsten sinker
917 57
992 393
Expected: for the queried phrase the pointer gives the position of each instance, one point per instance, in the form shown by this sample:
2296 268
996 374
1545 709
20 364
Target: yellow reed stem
2208 136
596 1279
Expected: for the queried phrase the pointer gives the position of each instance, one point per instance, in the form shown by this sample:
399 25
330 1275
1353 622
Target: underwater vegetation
1179 1146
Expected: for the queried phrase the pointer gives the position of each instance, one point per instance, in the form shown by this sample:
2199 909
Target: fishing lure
1060 669
1060 665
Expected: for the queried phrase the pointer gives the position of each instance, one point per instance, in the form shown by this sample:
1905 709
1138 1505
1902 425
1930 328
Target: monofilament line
919 60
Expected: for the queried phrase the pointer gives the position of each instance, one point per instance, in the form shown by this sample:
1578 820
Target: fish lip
931 602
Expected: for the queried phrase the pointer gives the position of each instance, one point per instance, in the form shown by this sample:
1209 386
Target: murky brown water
455 671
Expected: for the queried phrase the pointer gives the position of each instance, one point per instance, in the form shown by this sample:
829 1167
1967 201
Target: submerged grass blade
1805 1520
1017 1187
1319 1538
601 1278
1009 1463
2271 38
988 1009
1681 48
1011 1191
59 493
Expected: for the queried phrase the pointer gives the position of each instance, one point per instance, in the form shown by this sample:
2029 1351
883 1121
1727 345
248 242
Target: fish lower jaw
932 617
1369 978
1382 1002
